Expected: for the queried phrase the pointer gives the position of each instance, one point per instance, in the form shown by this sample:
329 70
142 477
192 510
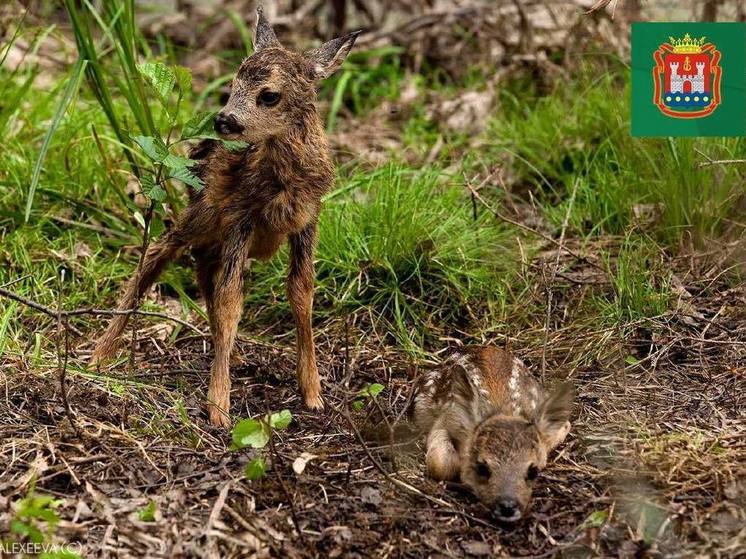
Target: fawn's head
274 88
503 454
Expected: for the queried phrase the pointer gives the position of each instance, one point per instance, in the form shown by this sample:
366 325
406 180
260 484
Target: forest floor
654 464
497 206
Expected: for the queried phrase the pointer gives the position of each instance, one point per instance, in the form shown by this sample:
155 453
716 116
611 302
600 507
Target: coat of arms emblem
687 77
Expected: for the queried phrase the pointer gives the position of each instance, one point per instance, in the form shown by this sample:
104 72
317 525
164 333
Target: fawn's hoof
314 402
218 417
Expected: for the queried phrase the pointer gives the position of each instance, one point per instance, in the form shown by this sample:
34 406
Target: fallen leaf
299 464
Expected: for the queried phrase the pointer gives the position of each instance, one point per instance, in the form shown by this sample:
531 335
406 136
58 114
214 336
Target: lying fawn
491 423
253 201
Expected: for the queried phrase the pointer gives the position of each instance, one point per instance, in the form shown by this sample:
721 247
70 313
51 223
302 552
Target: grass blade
72 87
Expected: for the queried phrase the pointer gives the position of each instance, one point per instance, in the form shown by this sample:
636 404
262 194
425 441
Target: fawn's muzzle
508 510
227 124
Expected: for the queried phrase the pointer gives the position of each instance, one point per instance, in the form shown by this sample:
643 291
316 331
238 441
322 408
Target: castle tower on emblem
687 77
687 83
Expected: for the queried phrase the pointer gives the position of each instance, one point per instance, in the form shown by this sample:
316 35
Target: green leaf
235 145
187 177
139 219
371 390
256 469
280 420
231 145
596 519
339 92
160 77
147 514
157 193
199 124
631 360
250 432
183 78
153 147
358 405
177 162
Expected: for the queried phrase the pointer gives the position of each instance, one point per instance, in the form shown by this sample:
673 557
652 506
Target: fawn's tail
157 256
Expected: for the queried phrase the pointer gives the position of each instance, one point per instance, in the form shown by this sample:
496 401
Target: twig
278 461
15 281
63 332
525 227
97 312
720 162
550 292
600 5
218 506
140 262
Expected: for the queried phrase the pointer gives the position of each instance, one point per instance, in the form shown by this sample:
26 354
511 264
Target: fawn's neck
301 154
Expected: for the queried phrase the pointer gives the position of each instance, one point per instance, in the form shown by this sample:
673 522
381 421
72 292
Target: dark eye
532 473
483 470
268 98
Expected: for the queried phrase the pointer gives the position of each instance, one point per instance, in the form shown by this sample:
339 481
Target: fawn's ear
264 36
552 418
328 57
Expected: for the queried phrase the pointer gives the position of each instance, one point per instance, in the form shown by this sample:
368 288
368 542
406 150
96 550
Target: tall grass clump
583 128
640 283
406 245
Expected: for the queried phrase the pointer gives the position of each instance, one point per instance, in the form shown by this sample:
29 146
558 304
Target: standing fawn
253 201
491 423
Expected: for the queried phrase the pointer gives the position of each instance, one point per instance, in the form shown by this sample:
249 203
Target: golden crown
687 45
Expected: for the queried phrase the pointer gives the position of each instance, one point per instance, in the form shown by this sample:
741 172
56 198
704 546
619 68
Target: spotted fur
491 423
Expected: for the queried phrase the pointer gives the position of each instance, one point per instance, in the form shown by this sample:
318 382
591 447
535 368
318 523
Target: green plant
147 513
256 433
580 134
35 522
404 243
367 77
370 391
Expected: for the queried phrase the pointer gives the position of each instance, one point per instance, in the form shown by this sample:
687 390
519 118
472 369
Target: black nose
227 124
508 509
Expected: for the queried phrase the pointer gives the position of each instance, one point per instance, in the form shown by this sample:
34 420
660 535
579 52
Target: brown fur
254 200
489 422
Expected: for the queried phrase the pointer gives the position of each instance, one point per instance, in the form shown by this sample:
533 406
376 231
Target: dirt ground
654 465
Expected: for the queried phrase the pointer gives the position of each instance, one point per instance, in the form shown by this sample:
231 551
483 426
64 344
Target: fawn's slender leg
207 267
227 304
442 458
156 257
300 293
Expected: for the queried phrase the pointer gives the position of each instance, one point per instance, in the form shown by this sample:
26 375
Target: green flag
689 79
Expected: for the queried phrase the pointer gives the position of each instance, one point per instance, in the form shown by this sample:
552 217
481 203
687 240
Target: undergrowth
404 243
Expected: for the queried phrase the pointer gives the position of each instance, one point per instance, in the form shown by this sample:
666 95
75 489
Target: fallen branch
92 311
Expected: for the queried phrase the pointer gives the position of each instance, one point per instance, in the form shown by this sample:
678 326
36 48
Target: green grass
582 129
400 243
404 243
640 282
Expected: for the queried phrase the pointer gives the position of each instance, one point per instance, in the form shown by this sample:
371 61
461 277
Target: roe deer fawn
254 200
491 423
